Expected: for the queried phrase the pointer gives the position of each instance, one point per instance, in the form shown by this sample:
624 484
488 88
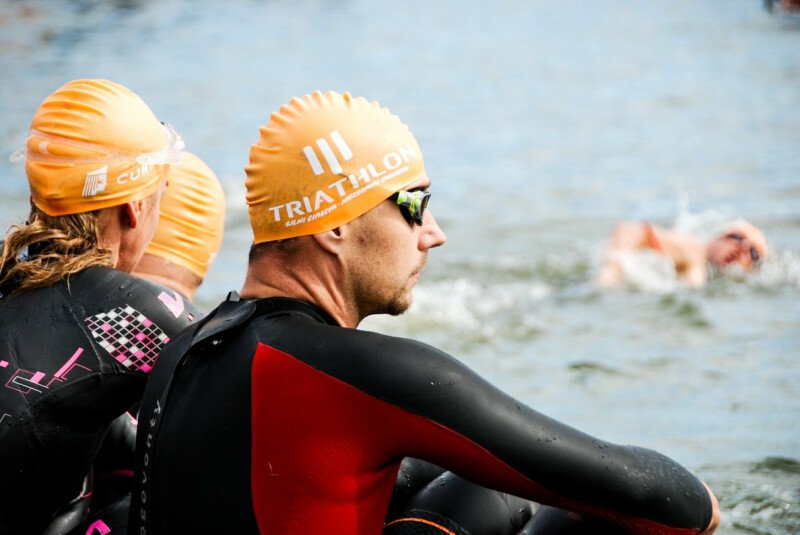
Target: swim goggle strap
412 204
48 150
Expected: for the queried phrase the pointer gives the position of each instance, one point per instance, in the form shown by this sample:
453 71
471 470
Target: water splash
473 310
780 269
648 272
763 498
705 225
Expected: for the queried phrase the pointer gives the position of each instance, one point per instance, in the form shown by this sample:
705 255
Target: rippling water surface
543 123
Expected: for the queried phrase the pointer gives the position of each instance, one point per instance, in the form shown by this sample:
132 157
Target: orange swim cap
324 160
95 144
192 217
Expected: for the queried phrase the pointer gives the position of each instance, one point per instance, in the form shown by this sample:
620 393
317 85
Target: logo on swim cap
324 160
94 144
327 152
95 181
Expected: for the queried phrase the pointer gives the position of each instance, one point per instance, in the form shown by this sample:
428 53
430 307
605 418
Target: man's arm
454 418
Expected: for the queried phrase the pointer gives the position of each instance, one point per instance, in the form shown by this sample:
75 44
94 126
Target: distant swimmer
739 244
786 6
275 414
78 333
190 228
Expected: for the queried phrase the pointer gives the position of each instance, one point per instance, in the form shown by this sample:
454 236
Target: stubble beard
398 302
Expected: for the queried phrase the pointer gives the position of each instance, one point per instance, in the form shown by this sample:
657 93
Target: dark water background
543 123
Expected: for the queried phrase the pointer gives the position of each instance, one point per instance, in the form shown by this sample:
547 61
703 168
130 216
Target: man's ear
133 212
332 240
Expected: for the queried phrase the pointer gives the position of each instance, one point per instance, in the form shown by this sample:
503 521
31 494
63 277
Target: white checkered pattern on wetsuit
128 336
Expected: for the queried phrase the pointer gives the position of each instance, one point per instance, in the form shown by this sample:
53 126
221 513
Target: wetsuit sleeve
147 316
119 446
113 465
130 318
439 410
73 357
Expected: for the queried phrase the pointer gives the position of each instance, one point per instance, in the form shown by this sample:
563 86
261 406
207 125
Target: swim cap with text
324 160
95 144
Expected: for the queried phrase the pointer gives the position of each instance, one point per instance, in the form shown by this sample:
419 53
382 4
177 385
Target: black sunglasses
412 204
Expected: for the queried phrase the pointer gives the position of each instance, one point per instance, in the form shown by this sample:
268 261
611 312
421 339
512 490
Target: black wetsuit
73 358
280 421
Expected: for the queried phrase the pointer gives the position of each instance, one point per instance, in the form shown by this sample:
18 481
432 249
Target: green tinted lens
412 204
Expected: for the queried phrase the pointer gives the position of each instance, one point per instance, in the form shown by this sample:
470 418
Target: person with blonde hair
739 245
185 243
190 229
78 333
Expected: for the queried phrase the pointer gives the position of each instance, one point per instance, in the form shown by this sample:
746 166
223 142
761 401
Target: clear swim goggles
49 152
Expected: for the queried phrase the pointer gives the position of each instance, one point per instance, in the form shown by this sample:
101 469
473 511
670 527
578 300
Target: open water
542 123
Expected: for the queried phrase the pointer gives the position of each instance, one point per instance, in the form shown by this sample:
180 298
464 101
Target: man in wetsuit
275 415
78 334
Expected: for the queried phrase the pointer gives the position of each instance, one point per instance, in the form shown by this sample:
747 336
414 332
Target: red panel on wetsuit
325 454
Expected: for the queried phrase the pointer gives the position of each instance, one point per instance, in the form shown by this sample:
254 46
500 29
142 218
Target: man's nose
432 235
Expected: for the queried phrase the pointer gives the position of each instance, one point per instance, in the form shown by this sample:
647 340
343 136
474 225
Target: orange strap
423 521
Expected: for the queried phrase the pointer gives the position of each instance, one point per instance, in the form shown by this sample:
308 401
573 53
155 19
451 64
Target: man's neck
320 287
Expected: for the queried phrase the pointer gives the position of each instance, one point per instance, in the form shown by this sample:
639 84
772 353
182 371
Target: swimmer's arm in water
689 256
626 236
686 252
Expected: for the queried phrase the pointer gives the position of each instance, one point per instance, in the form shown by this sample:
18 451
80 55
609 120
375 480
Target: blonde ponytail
66 245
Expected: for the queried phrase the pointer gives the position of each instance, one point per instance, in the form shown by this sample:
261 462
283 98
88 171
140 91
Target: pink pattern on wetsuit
128 336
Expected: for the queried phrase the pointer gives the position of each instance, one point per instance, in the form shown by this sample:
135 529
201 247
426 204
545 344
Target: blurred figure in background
190 228
786 6
739 244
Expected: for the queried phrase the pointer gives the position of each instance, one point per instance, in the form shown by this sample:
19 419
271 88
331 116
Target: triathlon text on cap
339 192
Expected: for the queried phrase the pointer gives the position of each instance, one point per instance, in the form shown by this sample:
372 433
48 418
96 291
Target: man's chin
399 304
399 308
